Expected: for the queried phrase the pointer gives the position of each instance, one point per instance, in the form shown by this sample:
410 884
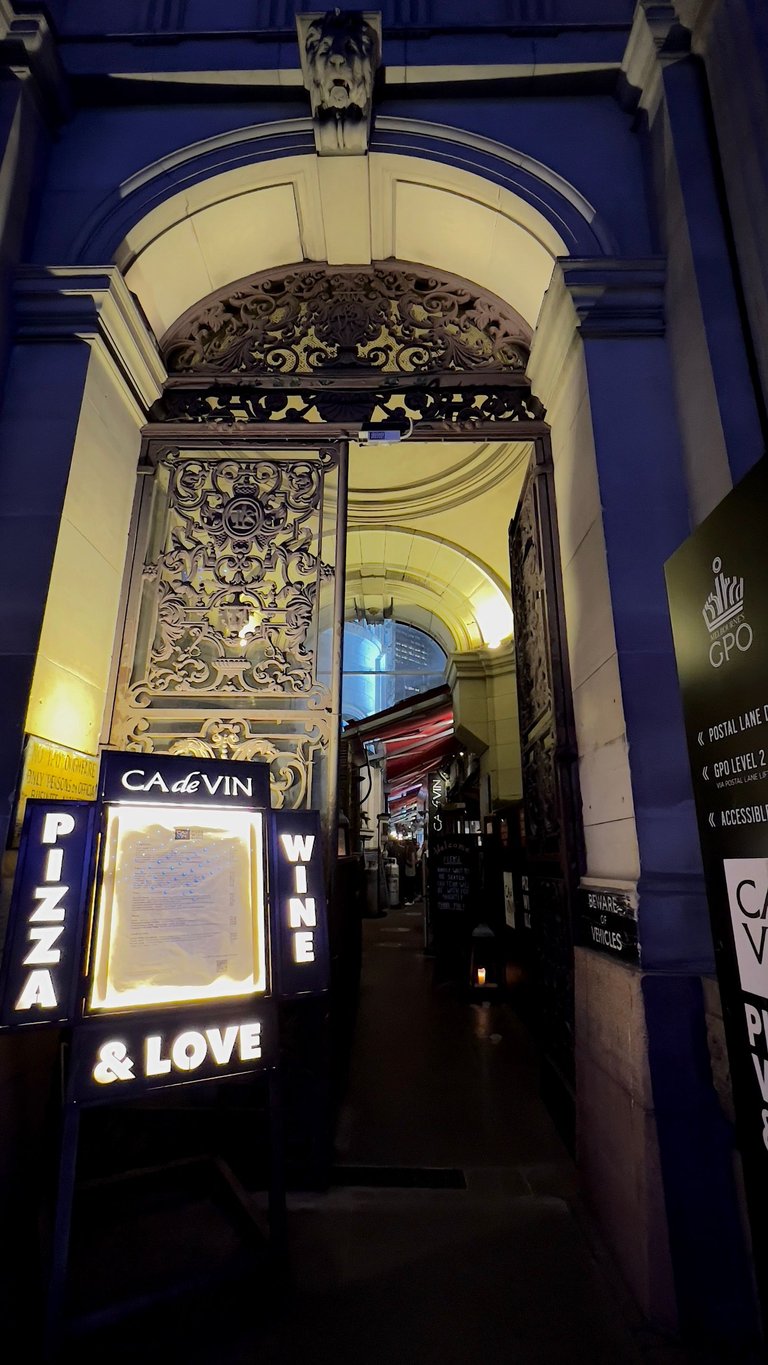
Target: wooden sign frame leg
55 1305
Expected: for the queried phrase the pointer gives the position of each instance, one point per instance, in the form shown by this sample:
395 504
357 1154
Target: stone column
651 1136
730 37
715 374
82 374
484 690
33 103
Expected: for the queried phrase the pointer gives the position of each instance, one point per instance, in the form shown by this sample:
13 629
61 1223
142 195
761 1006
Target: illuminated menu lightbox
180 914
188 908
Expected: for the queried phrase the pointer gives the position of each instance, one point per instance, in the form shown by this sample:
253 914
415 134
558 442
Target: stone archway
233 637
239 580
164 236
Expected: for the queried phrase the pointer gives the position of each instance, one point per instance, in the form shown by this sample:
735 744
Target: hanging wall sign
608 923
717 584
437 793
52 772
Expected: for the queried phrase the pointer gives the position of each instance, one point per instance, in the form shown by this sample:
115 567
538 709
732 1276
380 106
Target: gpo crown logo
723 613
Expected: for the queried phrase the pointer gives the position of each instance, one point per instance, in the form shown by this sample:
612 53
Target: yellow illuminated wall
72 671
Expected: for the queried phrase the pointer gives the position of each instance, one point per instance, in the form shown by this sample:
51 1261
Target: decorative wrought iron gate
550 776
230 649
233 633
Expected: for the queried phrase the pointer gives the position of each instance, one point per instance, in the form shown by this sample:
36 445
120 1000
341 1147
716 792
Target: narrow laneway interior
453 1231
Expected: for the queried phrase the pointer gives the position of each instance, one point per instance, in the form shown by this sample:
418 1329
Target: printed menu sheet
180 914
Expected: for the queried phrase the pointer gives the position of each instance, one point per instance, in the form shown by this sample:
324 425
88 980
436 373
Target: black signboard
179 887
120 1058
453 873
169 779
162 924
717 584
608 923
437 792
41 961
300 953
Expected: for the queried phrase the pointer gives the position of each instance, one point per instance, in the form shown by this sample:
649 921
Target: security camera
384 433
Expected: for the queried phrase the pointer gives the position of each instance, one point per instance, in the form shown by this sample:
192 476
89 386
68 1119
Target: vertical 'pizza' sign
42 954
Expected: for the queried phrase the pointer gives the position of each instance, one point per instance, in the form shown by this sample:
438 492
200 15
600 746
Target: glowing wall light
64 708
493 615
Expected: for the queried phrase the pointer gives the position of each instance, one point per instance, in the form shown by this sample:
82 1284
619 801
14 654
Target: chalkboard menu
453 873
717 584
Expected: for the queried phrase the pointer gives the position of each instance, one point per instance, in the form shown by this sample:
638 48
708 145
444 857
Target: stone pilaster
484 688
718 400
82 374
646 1142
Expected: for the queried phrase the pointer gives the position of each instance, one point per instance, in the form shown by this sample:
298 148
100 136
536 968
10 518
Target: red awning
417 736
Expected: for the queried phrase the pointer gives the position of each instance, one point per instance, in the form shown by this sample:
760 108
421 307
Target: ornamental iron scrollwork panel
313 321
534 681
431 410
237 578
541 806
226 648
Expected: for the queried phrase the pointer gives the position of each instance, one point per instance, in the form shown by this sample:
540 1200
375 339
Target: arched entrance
233 629
239 582
600 327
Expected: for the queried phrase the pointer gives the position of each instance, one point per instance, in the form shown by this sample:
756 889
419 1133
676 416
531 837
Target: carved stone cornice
91 304
29 50
617 298
657 38
595 299
481 663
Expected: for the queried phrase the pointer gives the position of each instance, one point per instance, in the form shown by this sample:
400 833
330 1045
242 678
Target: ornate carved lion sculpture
340 55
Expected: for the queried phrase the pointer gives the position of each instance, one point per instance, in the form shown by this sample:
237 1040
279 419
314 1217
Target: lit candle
481 976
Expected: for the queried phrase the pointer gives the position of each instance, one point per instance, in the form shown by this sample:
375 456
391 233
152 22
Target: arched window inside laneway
386 662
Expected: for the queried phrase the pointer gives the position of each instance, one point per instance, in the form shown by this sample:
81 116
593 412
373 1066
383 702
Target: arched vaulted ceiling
428 532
